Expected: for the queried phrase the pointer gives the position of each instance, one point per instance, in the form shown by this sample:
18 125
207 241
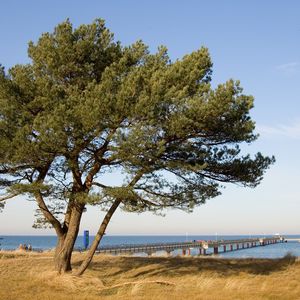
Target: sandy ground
31 276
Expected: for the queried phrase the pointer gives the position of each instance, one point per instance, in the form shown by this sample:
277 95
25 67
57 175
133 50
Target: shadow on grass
179 266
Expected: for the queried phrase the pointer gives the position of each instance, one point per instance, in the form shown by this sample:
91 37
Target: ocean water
271 251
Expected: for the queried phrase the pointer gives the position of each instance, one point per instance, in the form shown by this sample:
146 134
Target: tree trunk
65 243
98 237
62 260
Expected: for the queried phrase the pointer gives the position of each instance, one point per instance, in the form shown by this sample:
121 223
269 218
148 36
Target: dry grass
31 276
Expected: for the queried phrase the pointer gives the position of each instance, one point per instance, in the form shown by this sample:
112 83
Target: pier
216 247
293 240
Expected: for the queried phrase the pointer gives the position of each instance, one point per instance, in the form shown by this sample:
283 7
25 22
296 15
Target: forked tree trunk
98 237
62 262
65 243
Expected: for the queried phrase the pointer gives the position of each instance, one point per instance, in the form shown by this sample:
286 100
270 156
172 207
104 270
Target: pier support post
237 246
243 245
216 250
202 251
247 245
224 248
231 247
183 252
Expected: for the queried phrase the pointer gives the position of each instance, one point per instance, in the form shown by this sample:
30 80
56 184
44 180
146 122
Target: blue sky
256 42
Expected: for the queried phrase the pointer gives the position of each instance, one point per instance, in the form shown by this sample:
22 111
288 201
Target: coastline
48 243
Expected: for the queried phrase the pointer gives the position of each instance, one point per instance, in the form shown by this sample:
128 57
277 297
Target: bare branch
100 185
42 205
6 170
48 215
97 165
8 197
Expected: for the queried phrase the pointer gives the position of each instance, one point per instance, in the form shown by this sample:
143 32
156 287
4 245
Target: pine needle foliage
85 105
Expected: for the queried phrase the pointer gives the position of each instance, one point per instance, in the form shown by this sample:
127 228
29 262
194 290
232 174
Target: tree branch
48 215
100 185
8 197
14 169
42 205
97 165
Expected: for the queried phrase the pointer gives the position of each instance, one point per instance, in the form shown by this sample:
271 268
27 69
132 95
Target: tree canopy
85 105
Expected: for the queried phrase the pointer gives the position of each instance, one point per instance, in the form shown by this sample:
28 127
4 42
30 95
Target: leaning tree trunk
98 237
65 243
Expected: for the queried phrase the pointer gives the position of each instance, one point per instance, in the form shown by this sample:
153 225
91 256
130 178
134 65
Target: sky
256 42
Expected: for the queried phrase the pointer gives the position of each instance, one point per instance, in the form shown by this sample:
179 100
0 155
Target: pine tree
86 105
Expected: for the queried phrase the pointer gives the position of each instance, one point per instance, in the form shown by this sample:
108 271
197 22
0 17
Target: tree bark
62 262
65 243
98 237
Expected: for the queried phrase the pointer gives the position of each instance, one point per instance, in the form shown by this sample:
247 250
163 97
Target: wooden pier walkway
185 247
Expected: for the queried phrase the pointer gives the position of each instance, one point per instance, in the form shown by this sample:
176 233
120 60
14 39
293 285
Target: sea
41 243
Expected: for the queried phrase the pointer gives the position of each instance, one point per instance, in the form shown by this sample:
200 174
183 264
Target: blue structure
86 239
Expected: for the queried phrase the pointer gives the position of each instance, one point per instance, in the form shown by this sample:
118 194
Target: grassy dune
31 276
